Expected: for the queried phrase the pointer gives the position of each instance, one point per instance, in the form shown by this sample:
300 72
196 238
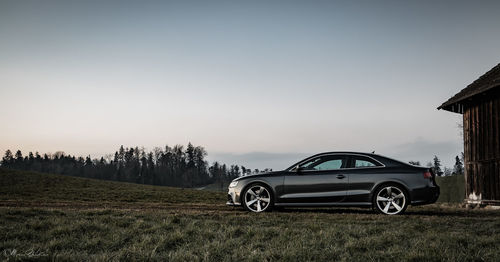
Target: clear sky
258 83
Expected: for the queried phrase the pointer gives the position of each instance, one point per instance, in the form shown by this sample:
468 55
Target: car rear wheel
390 199
257 198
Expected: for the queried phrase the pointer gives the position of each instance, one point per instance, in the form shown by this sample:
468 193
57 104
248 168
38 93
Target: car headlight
233 184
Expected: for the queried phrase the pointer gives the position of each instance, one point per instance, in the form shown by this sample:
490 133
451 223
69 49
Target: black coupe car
338 179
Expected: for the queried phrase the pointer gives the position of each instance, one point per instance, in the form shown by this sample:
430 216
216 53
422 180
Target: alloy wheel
257 198
391 200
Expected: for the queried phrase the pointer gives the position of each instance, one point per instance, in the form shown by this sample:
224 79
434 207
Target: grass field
452 189
50 217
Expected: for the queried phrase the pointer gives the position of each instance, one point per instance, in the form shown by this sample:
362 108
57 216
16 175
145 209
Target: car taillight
427 174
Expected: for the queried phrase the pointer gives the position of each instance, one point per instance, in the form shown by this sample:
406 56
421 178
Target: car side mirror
299 169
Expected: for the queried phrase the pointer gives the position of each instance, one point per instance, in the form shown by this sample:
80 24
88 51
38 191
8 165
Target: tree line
435 164
176 166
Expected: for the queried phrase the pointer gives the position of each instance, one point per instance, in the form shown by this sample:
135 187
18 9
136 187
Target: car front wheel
257 198
390 199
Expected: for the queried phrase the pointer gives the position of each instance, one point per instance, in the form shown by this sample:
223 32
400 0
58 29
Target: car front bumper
233 197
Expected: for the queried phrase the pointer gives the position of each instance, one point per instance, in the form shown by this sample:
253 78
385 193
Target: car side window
332 164
327 163
364 162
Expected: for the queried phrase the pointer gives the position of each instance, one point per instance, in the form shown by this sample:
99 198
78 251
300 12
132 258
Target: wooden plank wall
482 148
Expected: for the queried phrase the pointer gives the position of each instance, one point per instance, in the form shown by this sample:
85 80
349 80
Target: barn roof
484 83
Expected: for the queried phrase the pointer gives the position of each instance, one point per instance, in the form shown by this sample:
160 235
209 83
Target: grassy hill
50 217
216 187
33 186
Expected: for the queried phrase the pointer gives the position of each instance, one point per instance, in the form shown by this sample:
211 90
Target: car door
364 172
318 180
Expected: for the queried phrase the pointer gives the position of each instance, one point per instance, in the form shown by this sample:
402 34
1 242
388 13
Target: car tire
257 198
390 199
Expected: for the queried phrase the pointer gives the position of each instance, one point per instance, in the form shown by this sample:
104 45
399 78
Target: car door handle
340 176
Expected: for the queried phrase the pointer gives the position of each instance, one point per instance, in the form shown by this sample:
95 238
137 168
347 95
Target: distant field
50 217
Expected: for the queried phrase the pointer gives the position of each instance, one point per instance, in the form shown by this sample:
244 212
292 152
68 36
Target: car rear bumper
423 196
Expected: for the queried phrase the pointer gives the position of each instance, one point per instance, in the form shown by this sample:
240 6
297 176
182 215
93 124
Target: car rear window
363 163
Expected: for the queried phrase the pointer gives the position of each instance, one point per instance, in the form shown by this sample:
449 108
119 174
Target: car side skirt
326 204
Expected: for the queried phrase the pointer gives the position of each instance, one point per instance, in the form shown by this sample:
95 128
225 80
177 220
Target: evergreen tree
190 157
19 155
171 167
201 175
8 159
150 175
458 168
144 168
437 166
190 172
88 161
18 161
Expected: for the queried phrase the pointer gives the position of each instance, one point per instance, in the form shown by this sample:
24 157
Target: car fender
262 180
391 180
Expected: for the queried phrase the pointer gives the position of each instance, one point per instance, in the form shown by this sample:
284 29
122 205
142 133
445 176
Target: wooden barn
479 103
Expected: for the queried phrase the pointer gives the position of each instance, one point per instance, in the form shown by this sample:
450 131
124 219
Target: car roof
383 159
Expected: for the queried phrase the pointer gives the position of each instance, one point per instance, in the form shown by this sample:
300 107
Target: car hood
265 174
